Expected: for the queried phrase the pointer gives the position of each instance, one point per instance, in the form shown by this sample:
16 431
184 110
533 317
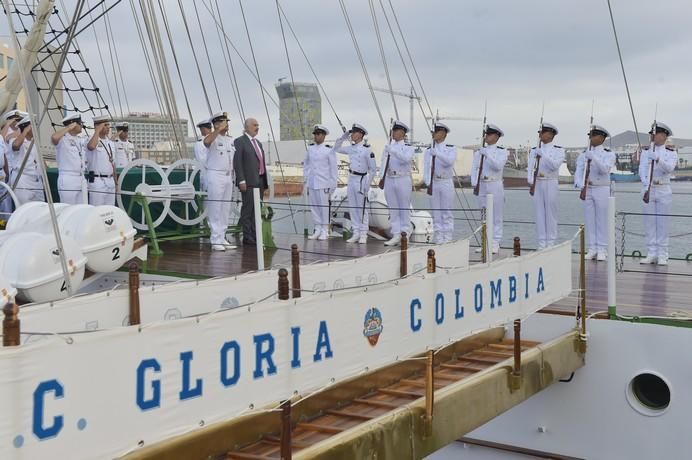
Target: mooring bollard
516 370
403 270
517 246
295 271
10 325
283 284
133 286
432 263
286 451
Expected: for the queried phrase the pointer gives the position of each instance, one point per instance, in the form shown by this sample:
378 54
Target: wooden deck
641 289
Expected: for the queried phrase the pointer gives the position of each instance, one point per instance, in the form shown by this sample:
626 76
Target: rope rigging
111 42
194 56
221 32
206 51
373 13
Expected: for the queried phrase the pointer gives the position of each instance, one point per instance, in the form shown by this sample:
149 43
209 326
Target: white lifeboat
31 214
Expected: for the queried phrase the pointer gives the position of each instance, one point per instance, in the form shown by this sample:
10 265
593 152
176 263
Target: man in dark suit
250 169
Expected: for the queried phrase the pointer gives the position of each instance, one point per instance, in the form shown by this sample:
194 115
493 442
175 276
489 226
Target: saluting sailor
124 149
100 161
663 159
69 154
219 181
548 157
396 170
494 161
320 174
30 185
201 151
362 170
442 199
10 130
593 172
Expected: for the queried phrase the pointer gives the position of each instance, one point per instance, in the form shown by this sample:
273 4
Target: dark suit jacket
246 164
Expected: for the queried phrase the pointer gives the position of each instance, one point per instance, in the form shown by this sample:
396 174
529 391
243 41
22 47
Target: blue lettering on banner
188 392
478 298
295 361
526 293
322 342
459 310
512 289
541 284
155 400
415 323
231 380
262 354
42 431
439 308
496 292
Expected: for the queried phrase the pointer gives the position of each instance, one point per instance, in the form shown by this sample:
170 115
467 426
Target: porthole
649 394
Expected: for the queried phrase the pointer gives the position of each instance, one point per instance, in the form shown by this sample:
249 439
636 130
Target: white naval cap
24 121
399 125
599 130
493 129
360 128
101 119
122 126
549 127
68 120
320 128
11 114
440 126
219 116
204 123
661 128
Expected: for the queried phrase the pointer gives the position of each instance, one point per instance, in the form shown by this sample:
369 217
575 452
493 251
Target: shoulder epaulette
311 143
328 146
534 148
668 147
558 146
646 147
372 155
606 149
366 145
407 144
449 145
502 148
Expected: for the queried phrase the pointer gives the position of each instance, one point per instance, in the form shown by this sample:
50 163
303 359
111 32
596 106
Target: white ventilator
183 193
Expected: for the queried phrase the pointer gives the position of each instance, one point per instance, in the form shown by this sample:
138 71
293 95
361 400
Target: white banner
101 394
110 309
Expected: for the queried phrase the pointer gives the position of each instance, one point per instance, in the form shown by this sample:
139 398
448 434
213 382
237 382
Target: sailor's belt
543 176
491 178
222 171
599 183
442 176
662 182
70 173
391 173
356 173
103 176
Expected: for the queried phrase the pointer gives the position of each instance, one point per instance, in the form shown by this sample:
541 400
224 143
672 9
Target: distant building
147 129
304 105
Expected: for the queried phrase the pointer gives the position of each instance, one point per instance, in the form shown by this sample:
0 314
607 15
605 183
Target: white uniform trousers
102 191
358 187
72 188
497 189
656 225
5 203
219 193
545 211
596 217
397 192
29 188
319 205
441 202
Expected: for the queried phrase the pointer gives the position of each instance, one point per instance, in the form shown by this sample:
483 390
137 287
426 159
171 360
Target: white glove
433 152
589 155
345 136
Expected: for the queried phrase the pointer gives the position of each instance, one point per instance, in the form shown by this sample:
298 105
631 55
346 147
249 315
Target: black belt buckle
90 177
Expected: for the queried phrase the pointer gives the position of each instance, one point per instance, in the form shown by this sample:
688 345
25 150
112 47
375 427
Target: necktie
260 159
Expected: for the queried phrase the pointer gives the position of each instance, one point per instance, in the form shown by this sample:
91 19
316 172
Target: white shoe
218 247
394 241
363 238
315 235
591 254
496 249
228 245
648 260
354 238
323 235
662 261
601 256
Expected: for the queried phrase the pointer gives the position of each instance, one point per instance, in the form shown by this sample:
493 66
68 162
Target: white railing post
489 228
258 228
612 262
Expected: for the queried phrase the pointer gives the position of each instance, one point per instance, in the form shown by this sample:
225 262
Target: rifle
537 164
477 187
647 194
582 194
432 167
386 165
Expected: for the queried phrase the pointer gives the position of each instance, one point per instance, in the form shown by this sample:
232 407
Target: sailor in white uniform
441 179
491 179
69 154
10 130
362 169
30 185
124 149
219 167
201 151
320 174
100 161
598 161
396 171
663 159
5 201
548 157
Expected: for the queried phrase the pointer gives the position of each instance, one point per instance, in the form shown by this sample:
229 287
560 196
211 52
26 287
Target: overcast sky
514 54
